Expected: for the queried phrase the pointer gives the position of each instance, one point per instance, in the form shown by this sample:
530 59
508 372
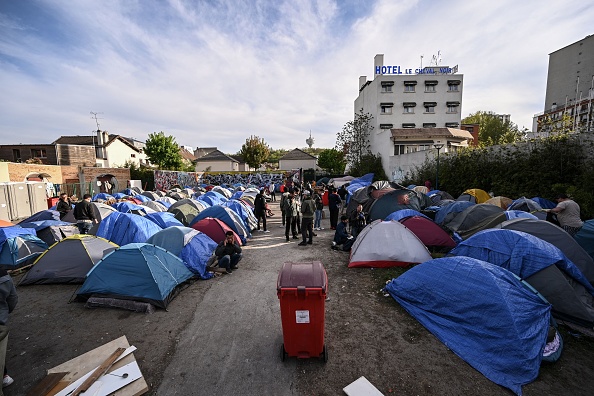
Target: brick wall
19 172
6 152
89 177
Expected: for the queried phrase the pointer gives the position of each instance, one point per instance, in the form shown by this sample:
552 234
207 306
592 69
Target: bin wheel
283 352
325 353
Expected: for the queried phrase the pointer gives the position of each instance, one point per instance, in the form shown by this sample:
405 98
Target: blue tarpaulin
124 228
480 311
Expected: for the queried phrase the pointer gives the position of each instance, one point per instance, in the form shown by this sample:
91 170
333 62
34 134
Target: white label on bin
302 316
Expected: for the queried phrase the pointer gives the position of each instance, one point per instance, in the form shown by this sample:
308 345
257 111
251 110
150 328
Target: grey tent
156 206
69 260
471 216
151 194
558 237
52 233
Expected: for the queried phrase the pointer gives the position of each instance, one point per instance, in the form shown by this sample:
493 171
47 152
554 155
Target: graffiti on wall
165 180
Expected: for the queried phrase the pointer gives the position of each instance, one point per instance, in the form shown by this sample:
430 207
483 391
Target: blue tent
125 228
43 215
228 217
129 192
359 182
516 214
163 202
451 209
129 207
544 203
103 196
192 246
119 195
247 216
482 312
40 225
213 198
142 198
163 219
137 271
403 213
585 237
525 204
19 246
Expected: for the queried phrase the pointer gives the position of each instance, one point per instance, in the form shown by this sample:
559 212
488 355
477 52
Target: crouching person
228 253
342 237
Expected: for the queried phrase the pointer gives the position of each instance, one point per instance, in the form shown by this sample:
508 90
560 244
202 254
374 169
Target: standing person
357 221
319 209
334 202
283 199
290 216
8 301
64 206
229 253
568 214
297 199
271 190
308 209
260 209
83 213
342 193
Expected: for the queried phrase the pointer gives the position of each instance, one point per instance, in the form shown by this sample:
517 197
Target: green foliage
163 151
332 161
254 151
493 130
144 174
542 168
369 163
353 140
275 155
556 126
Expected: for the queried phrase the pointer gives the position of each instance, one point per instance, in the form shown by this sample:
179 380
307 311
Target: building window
38 153
132 155
409 86
430 85
16 155
387 86
386 126
386 108
399 149
429 107
456 125
453 85
429 125
409 107
409 125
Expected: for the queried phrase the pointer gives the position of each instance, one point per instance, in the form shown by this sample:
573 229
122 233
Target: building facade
401 99
569 100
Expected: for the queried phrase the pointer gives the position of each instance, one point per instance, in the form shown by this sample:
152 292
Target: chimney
99 147
362 81
378 62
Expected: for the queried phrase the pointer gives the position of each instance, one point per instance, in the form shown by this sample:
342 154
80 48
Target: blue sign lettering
426 70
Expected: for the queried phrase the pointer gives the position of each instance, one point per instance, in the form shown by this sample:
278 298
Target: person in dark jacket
341 236
84 215
334 203
228 253
357 221
308 208
64 206
8 301
260 209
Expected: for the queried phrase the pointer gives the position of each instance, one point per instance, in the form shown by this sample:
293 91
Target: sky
213 73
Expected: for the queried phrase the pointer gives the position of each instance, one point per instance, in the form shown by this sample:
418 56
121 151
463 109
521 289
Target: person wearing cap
568 214
308 208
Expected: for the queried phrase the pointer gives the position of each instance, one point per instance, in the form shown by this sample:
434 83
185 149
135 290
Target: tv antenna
436 59
96 119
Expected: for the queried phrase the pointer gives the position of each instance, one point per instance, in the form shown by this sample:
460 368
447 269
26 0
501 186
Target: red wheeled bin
301 289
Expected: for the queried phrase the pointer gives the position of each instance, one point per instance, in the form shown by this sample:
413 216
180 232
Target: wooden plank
98 372
46 384
81 365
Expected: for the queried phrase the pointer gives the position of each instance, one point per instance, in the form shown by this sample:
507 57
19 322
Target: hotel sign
425 70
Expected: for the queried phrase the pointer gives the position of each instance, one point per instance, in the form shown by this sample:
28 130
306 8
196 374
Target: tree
369 163
254 151
555 124
353 140
493 131
163 151
332 161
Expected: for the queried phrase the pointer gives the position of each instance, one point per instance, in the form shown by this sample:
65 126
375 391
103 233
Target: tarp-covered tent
481 312
69 260
393 201
475 195
215 229
470 217
192 246
432 235
541 264
43 215
103 196
438 195
164 219
51 231
585 237
245 213
125 228
450 210
228 217
137 271
19 247
212 198
387 244
525 204
544 203
558 237
403 213
129 207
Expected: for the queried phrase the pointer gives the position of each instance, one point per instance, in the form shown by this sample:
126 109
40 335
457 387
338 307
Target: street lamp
438 146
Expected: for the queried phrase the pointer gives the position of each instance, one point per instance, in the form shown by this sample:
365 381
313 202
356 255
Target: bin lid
309 275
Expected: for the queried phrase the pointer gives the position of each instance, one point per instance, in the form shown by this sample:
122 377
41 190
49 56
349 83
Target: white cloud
212 74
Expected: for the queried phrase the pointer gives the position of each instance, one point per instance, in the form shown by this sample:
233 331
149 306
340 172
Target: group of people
298 211
83 211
